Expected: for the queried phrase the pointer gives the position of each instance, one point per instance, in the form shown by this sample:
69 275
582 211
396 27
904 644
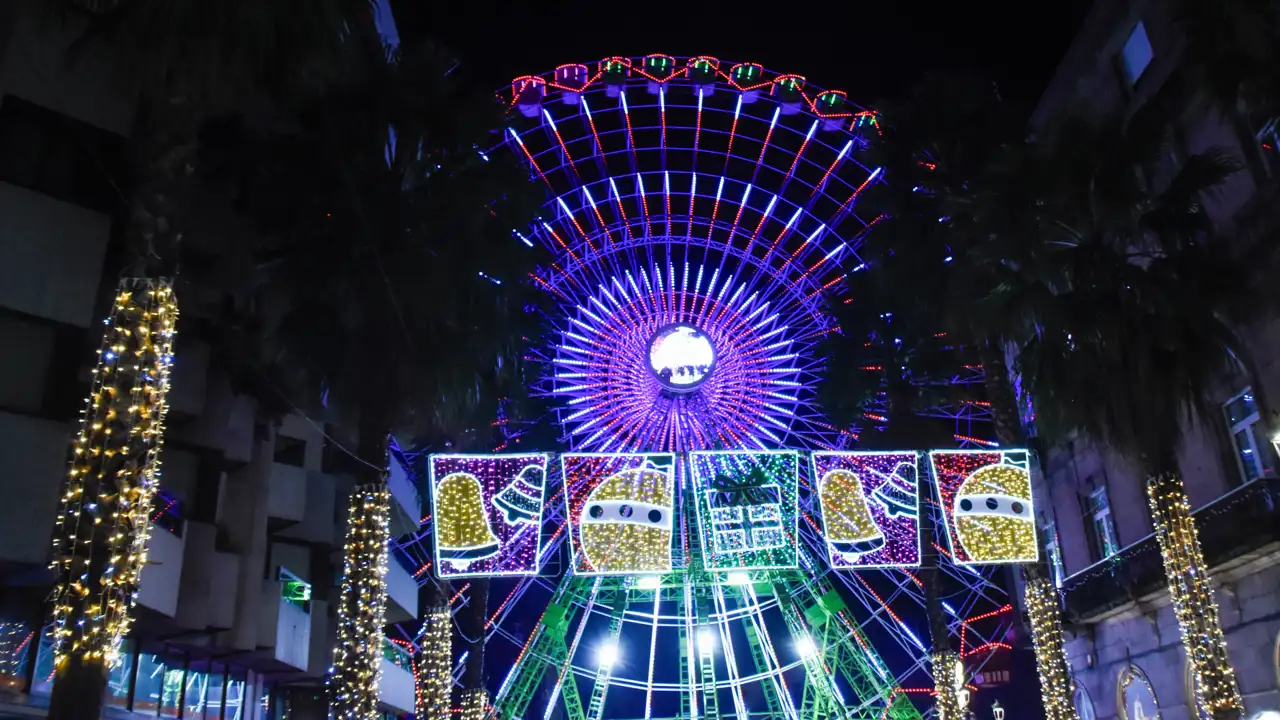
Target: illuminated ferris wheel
701 215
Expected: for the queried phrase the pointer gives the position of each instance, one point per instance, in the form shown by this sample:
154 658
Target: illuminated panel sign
621 509
487 513
986 502
870 508
746 505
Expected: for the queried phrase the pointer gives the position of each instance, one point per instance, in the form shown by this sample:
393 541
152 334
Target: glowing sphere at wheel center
681 357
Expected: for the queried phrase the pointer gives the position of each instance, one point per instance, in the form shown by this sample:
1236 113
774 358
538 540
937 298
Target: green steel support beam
546 648
611 593
819 700
759 655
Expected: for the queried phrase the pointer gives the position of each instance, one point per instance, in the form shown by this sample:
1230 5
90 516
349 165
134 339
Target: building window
1248 443
63 158
1135 698
290 451
1053 552
1136 55
1102 527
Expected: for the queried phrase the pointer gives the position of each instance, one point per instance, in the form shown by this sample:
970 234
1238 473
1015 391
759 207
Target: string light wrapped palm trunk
357 656
945 663
102 528
474 704
432 679
1217 692
1041 596
947 667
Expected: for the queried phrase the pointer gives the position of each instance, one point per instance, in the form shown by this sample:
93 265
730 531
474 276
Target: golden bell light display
993 517
851 529
626 522
463 534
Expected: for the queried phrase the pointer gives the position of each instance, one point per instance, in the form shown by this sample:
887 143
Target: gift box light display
986 502
870 508
747 510
621 509
487 513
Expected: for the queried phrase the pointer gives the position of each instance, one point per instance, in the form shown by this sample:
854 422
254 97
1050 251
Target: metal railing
1239 522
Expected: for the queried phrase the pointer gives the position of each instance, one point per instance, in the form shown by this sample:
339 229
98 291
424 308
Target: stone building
1124 644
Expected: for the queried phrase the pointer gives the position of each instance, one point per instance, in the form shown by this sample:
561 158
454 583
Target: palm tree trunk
945 661
432 678
363 600
100 536
472 675
1217 691
1040 595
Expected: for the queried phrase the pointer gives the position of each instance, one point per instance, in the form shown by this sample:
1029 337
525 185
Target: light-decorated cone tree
100 536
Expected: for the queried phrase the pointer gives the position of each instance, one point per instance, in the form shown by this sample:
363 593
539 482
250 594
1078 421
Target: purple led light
870 508
509 499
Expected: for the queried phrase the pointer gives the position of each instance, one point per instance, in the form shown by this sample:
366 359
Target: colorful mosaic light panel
986 501
487 513
870 508
747 509
621 512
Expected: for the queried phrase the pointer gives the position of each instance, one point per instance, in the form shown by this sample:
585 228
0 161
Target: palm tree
395 288
951 217
1136 325
189 59
474 697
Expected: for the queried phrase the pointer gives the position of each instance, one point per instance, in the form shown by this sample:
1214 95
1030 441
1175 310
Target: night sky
869 49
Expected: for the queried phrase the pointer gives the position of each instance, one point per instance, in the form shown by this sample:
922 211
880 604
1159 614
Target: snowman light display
625 524
993 515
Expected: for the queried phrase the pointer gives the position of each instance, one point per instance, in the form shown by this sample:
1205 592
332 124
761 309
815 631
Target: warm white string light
1217 692
357 656
432 680
1051 656
100 536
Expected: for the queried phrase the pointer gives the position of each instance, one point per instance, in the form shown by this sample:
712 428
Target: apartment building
234 616
1123 639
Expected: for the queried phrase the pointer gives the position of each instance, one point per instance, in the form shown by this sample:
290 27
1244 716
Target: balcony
1231 527
35 460
287 492
402 592
161 577
406 505
285 622
395 690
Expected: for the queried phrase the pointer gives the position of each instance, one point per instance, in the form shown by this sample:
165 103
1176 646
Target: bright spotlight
607 654
805 647
649 582
738 578
706 641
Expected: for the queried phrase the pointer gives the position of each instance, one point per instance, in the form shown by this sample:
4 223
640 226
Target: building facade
1124 645
234 616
